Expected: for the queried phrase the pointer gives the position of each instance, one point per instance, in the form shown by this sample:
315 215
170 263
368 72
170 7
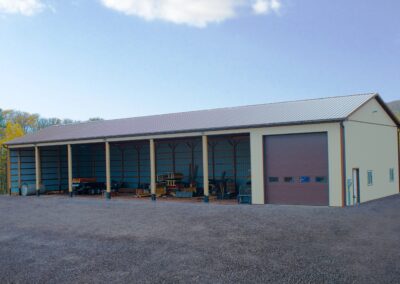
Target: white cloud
24 7
198 13
266 6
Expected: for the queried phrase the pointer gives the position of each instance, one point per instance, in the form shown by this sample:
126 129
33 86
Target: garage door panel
298 157
298 196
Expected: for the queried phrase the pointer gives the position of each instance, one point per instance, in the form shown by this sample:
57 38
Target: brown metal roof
285 113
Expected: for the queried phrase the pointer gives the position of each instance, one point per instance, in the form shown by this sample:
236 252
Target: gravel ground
61 240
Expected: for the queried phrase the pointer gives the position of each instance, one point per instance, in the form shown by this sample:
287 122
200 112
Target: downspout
343 161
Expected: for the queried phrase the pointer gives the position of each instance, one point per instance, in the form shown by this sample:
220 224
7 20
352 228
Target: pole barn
336 151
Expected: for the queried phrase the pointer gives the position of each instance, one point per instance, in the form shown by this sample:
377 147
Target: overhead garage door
296 169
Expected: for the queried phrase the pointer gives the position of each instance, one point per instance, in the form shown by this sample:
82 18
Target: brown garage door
296 169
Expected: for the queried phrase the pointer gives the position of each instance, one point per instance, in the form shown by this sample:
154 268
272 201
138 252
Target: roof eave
388 110
9 143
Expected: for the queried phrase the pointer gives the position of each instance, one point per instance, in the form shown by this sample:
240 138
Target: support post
59 168
108 171
139 175
8 171
37 170
19 173
69 154
234 144
153 170
213 145
123 163
205 168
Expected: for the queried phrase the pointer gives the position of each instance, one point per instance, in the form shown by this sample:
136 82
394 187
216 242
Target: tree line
14 124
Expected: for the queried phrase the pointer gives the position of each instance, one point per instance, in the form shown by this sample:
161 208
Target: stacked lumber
140 192
160 191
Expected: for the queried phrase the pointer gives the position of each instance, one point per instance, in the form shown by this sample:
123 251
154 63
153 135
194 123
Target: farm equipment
87 186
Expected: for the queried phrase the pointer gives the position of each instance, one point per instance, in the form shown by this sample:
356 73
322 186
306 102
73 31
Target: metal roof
285 113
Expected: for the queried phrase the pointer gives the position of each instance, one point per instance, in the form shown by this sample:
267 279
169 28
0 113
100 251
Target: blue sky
121 58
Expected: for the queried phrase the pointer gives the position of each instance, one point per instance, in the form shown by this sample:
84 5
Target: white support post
257 167
153 169
37 170
205 168
70 176
108 172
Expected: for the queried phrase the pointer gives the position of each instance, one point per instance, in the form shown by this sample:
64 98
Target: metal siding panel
13 171
51 174
27 168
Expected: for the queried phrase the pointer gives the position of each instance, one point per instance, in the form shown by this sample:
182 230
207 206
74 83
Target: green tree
46 122
10 132
95 119
2 121
68 121
28 122
2 124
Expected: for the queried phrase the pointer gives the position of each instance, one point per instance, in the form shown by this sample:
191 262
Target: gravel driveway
61 240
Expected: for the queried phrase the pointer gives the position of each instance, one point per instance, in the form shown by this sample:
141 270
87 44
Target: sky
122 58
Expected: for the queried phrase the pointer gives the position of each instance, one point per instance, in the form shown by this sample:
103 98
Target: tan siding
372 112
371 144
257 166
372 147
